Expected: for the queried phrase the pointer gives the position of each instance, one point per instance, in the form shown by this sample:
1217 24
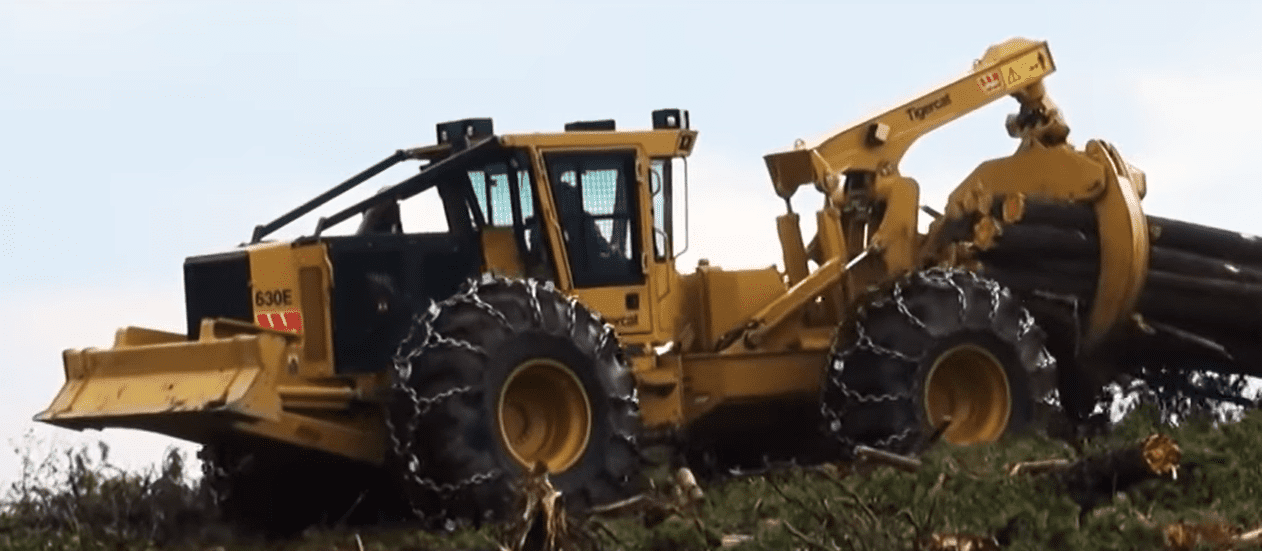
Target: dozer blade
162 382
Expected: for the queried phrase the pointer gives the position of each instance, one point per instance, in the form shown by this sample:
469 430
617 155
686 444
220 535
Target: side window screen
594 196
532 233
492 183
527 198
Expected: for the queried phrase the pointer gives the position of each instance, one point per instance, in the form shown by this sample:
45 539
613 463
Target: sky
136 133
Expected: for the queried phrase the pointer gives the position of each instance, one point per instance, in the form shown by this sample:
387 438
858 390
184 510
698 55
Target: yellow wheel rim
968 385
544 415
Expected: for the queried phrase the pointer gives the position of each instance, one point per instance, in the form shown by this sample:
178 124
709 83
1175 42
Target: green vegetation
968 490
75 500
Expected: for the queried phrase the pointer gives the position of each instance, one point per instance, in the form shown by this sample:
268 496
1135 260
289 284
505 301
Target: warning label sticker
990 82
1028 67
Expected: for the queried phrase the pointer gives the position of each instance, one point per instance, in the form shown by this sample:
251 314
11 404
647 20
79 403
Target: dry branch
1039 467
807 539
542 523
1184 536
960 542
1251 536
901 462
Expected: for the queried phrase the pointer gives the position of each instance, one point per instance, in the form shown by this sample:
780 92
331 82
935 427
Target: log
1212 287
1039 242
1025 276
1048 240
1226 244
1078 216
1164 232
1202 313
1095 479
1047 248
1198 264
1190 342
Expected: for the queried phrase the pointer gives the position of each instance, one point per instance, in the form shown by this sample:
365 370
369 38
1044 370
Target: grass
75 500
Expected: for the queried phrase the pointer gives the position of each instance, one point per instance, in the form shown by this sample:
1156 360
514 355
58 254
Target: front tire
502 376
942 347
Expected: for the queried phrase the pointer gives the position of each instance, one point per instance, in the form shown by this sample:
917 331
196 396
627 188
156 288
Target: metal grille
478 181
527 197
501 201
606 230
600 191
500 210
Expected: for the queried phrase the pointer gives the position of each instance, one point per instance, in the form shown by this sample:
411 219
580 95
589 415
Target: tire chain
941 278
935 277
409 349
1025 325
423 330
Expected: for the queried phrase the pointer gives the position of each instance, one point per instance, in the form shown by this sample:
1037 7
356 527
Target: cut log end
1161 454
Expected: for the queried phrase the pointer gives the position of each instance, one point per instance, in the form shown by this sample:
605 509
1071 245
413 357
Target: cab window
595 201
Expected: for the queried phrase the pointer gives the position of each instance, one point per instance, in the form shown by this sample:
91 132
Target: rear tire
940 342
503 375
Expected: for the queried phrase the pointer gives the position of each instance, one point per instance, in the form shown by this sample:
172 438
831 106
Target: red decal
285 321
990 82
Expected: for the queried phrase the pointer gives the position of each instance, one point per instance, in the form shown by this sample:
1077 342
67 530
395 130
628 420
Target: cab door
597 197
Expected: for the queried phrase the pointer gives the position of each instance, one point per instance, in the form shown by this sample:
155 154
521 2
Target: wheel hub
968 385
544 415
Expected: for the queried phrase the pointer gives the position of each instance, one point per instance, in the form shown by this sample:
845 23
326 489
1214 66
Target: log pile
1202 299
